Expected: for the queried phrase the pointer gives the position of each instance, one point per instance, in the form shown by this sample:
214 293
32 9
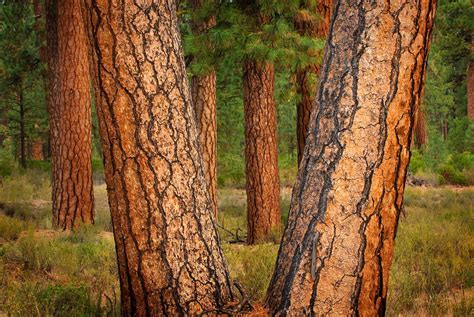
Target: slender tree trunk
21 104
306 85
337 248
204 97
36 152
261 151
203 91
168 250
70 115
470 89
420 128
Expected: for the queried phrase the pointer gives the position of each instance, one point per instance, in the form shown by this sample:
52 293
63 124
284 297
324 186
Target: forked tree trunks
168 251
337 248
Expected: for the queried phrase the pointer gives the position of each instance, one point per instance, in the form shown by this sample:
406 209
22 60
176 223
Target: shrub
67 300
416 162
34 297
7 164
10 228
448 174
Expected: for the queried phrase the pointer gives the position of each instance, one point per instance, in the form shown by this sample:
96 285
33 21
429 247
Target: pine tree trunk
470 89
337 248
204 98
261 151
203 91
306 87
36 152
70 115
168 251
420 128
21 103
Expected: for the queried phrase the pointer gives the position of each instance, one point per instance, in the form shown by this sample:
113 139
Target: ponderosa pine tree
316 26
261 145
420 128
203 92
470 89
261 150
70 114
337 248
168 251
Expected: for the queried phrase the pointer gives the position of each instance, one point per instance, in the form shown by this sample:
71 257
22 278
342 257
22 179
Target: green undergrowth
48 273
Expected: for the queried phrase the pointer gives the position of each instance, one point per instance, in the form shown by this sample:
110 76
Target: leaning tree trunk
203 91
70 115
306 86
261 151
337 248
168 251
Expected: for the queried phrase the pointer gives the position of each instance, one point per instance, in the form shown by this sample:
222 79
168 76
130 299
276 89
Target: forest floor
44 272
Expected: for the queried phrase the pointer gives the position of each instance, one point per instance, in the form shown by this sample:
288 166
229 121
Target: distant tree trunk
38 6
203 91
22 112
337 248
420 128
70 115
168 250
470 89
204 97
261 151
36 152
306 87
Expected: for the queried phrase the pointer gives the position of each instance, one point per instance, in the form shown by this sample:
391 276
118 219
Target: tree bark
203 92
21 104
168 250
36 152
204 98
306 25
261 151
337 248
420 128
70 115
470 89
